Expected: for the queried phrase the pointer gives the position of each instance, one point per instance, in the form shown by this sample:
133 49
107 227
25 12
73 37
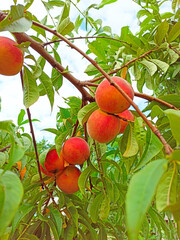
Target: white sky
116 15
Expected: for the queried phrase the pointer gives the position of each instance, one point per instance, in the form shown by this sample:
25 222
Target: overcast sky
116 15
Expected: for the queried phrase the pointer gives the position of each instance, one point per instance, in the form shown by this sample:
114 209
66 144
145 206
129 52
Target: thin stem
87 37
5 148
100 166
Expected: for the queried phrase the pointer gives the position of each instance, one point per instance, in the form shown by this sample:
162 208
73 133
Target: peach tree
128 186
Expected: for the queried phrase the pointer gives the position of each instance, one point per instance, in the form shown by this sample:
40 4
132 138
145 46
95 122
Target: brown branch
151 98
118 69
174 49
167 147
5 148
88 37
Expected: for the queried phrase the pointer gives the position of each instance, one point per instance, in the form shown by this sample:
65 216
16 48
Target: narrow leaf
85 112
161 32
140 193
152 68
174 33
164 66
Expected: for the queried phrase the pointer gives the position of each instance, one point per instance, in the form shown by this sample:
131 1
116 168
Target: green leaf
93 235
174 33
105 208
21 116
105 2
60 139
140 133
48 87
85 112
65 27
16 154
21 212
166 191
84 177
97 48
153 147
69 231
31 92
152 68
174 119
53 229
161 32
129 139
16 20
57 219
164 66
94 206
140 193
13 191
175 4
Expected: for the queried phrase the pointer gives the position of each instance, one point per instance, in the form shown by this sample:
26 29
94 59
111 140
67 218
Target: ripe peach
49 174
103 127
75 150
54 163
11 57
67 181
109 99
127 115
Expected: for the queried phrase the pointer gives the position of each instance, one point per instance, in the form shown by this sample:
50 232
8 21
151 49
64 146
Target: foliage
129 188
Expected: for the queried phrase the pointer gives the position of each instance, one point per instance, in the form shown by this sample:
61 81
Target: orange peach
11 57
127 115
103 127
54 163
75 150
67 181
109 99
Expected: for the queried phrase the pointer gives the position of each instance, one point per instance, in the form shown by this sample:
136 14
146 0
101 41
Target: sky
122 13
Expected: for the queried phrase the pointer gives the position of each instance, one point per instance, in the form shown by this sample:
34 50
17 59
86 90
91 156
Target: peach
127 115
75 150
11 57
49 174
109 99
67 181
54 163
103 127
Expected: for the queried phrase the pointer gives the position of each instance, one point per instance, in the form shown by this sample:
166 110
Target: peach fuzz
103 127
127 115
75 150
11 57
54 163
109 99
67 181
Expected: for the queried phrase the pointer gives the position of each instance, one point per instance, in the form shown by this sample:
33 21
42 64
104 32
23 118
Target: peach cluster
105 123
75 151
11 57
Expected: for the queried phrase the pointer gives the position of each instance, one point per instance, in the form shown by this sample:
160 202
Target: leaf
140 133
13 191
174 33
94 206
164 66
65 27
60 139
105 208
21 116
161 32
85 112
166 191
53 229
84 177
93 235
97 48
69 232
16 20
105 2
152 68
16 154
48 87
21 212
153 147
140 193
129 139
174 119
57 219
31 92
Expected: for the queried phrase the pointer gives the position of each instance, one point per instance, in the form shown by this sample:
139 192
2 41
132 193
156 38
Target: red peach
11 57
49 174
54 163
67 181
75 150
109 99
103 127
127 115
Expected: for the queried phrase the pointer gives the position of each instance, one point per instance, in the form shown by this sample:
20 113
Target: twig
5 148
87 37
174 49
151 98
